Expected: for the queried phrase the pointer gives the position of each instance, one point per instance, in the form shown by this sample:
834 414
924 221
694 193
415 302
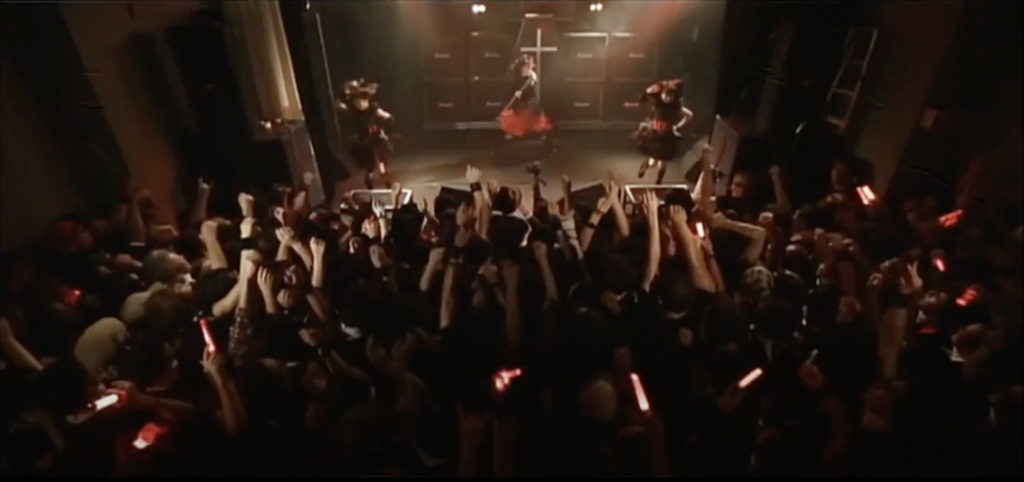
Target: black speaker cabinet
622 100
584 55
488 97
490 54
632 57
576 100
444 58
446 101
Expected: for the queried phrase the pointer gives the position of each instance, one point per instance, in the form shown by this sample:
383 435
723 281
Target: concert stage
430 161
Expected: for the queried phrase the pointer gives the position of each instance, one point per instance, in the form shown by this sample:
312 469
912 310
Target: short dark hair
158 268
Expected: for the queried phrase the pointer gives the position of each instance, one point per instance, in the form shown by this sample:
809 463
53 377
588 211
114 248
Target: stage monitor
383 196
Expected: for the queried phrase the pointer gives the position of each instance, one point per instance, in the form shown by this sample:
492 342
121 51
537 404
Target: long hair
674 87
518 64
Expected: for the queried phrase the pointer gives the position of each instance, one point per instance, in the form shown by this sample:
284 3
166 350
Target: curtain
262 60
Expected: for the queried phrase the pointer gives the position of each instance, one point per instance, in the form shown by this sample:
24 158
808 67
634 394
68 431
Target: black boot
661 171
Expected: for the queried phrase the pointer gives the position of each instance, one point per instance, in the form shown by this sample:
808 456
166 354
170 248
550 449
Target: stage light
479 8
596 7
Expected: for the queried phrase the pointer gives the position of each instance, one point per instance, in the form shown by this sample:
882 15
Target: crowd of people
512 335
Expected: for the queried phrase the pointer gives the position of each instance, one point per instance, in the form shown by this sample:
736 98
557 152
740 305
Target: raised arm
781 198
199 206
480 201
214 252
265 280
241 329
691 250
755 234
435 265
316 248
540 253
615 193
286 236
15 351
232 410
653 240
448 292
705 188
587 234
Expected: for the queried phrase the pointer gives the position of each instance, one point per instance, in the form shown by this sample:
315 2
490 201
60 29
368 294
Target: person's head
676 292
163 266
841 176
741 186
757 283
670 90
523 65
598 400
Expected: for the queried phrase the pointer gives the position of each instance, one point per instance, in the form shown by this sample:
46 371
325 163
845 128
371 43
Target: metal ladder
845 91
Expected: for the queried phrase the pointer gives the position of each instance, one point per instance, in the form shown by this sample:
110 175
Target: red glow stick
147 436
105 401
750 377
207 336
74 296
867 196
641 396
950 219
503 378
970 294
939 264
700 230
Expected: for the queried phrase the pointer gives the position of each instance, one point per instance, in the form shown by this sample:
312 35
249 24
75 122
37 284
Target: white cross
537 51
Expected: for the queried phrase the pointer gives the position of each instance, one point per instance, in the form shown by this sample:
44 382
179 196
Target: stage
426 162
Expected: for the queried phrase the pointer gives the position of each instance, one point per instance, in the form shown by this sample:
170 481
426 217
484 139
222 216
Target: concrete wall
913 39
104 34
35 184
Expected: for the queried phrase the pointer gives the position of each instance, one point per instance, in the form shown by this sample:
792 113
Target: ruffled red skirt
521 122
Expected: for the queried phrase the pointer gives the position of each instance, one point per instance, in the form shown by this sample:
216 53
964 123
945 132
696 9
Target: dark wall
977 100
59 153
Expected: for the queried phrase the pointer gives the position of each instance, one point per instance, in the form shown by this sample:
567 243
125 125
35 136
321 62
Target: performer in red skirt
522 115
369 144
658 136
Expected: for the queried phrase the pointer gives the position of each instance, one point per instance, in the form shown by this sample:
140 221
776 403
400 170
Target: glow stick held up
867 196
970 294
939 264
147 436
504 378
105 401
814 356
207 336
750 378
700 230
641 395
949 220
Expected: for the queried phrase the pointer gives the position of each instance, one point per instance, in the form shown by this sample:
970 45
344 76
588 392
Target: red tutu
521 122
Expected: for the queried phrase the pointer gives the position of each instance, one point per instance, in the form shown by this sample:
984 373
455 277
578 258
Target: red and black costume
369 143
523 115
658 135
